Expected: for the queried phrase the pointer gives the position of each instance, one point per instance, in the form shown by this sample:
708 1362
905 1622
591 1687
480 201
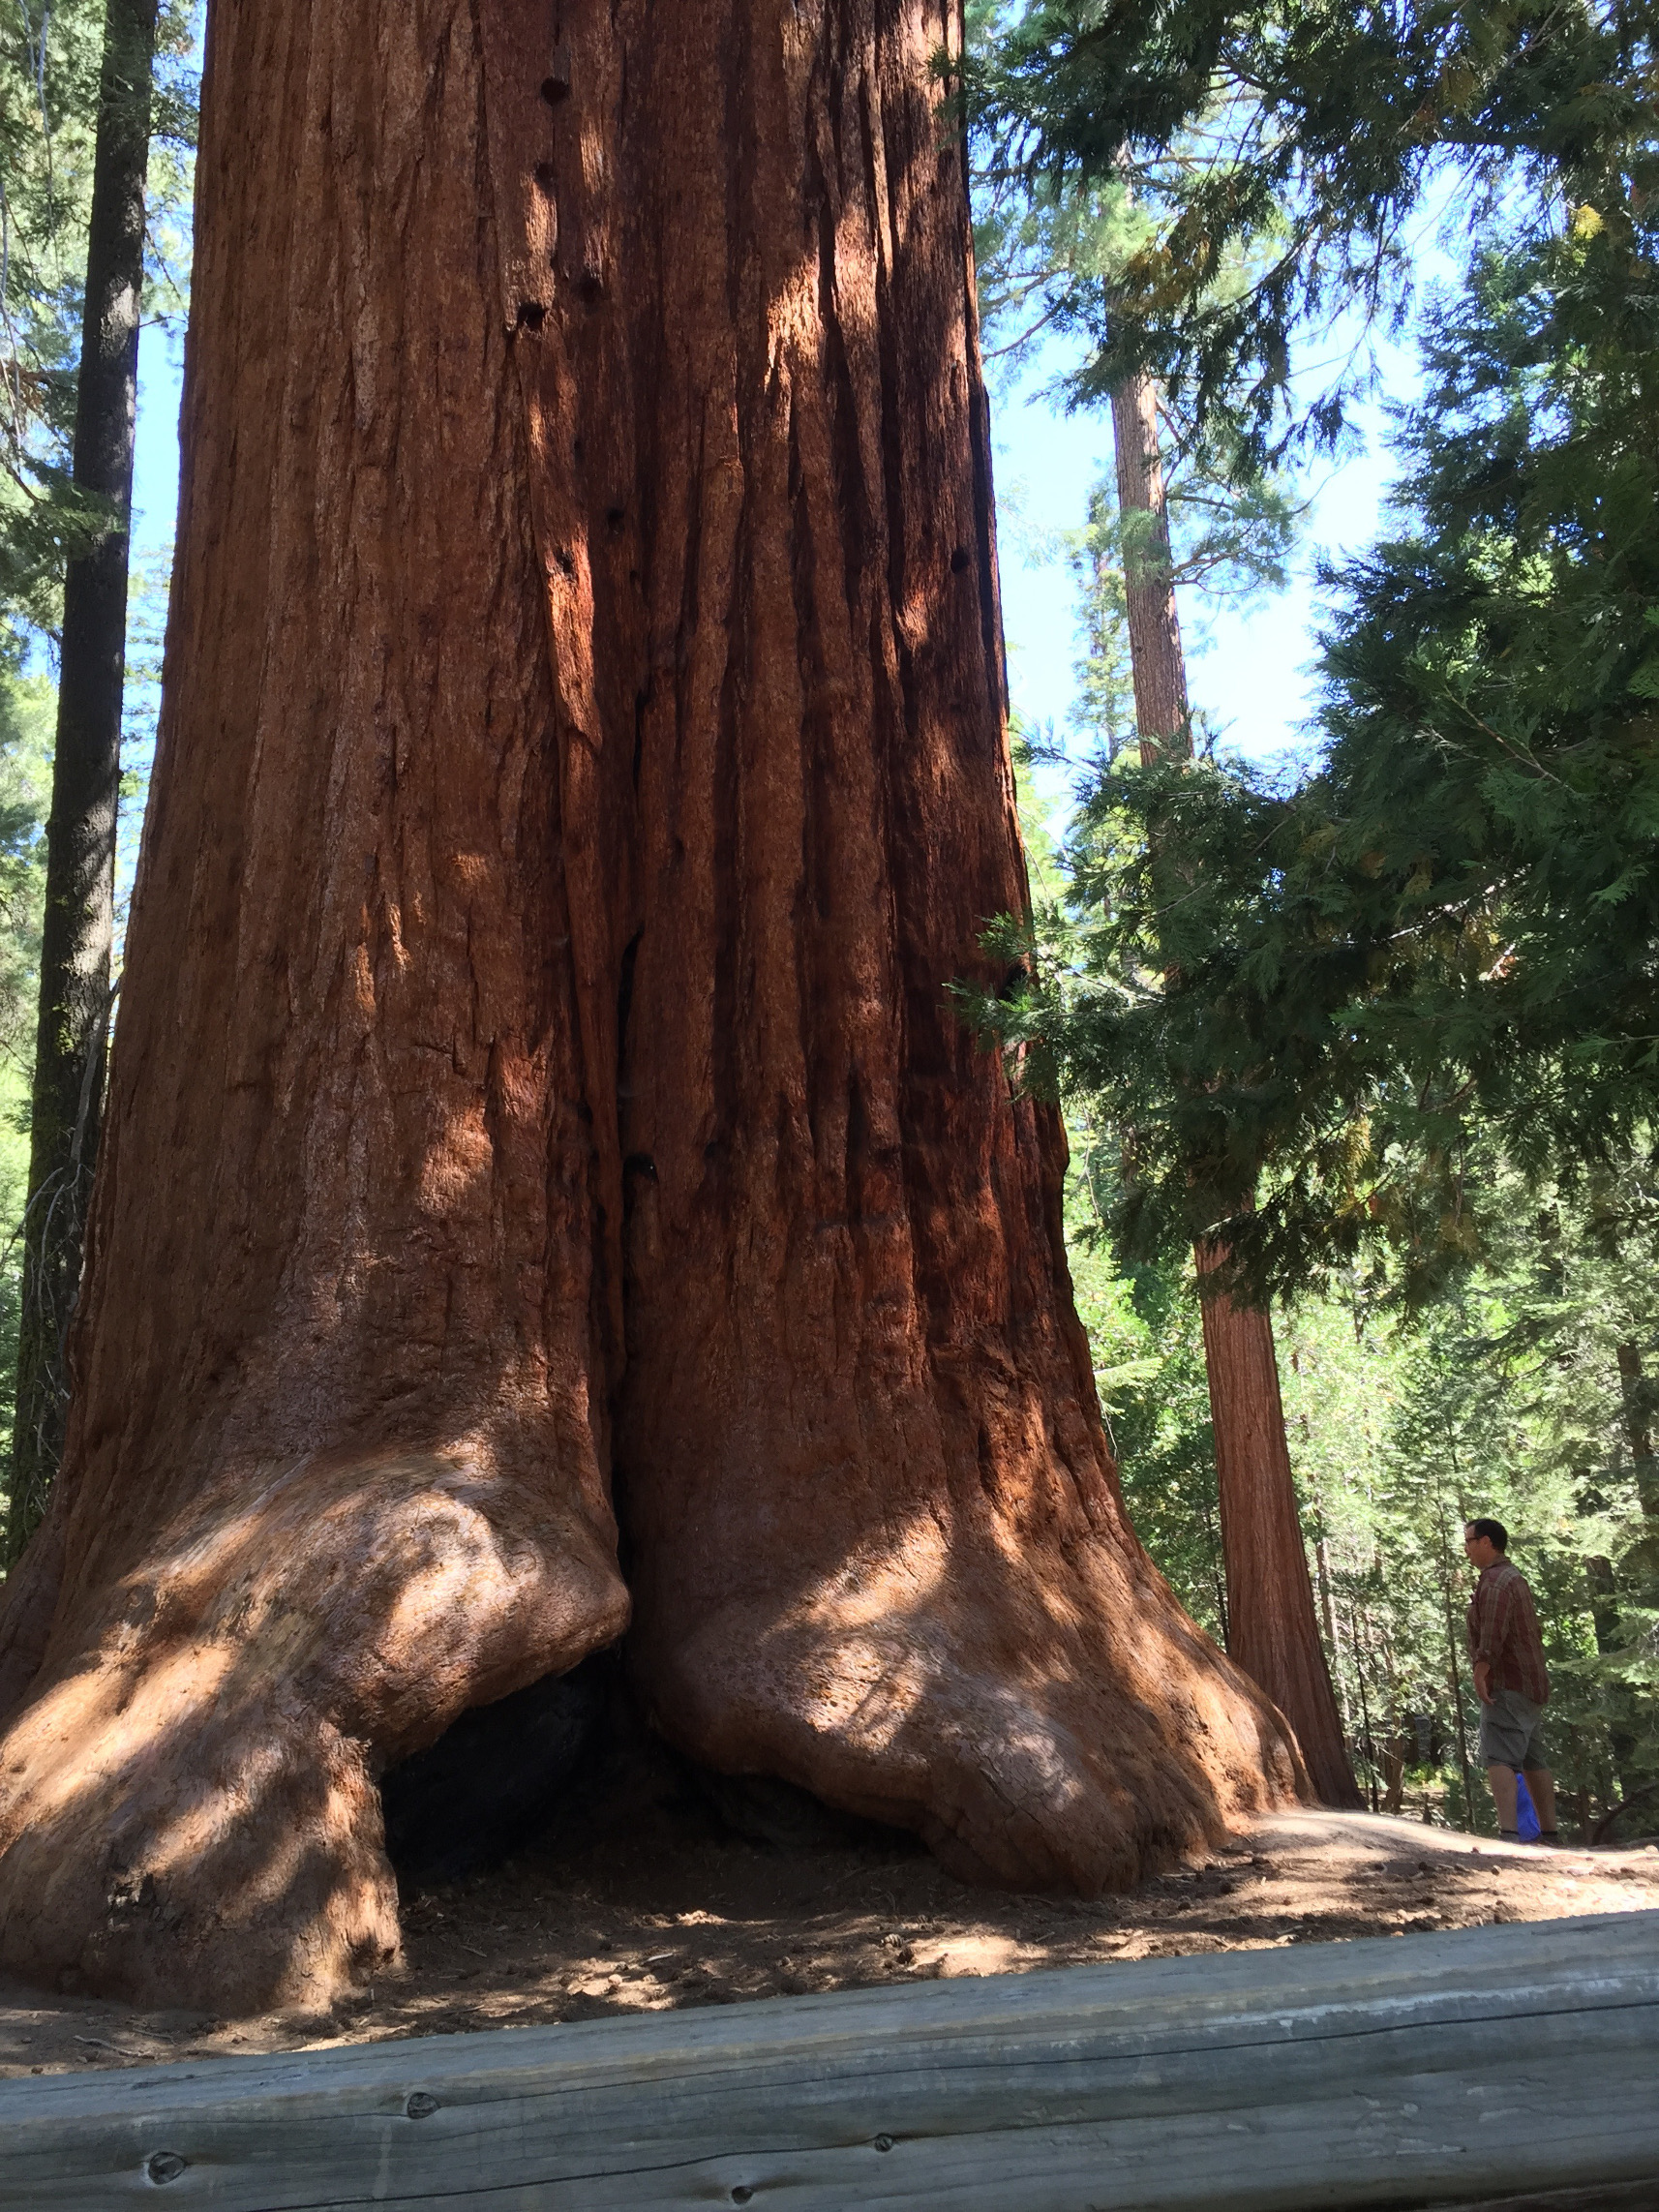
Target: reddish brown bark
1272 1630
582 774
1158 664
337 1463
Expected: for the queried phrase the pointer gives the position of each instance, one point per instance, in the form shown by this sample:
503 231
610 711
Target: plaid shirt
1503 1630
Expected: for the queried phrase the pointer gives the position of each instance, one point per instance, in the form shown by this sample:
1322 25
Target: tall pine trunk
1635 1391
67 1100
1272 1628
582 774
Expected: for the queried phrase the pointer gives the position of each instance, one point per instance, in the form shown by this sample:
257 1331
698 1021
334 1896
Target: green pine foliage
1144 1327
51 59
1300 139
1504 1397
28 714
1324 1011
1384 1024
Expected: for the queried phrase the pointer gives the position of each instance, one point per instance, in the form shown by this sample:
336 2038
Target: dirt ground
684 1911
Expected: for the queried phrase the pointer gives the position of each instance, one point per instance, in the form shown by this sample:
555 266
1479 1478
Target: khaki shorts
1511 1733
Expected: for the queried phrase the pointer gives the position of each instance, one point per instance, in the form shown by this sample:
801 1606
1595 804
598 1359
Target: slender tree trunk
1622 1740
1602 1587
1272 1630
1455 1678
1157 662
1366 1736
1273 1626
66 1105
1634 1390
582 774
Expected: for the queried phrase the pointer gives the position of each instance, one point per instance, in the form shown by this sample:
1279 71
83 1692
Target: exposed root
188 1809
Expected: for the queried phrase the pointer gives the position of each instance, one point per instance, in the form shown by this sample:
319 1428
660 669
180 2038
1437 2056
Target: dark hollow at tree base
494 1779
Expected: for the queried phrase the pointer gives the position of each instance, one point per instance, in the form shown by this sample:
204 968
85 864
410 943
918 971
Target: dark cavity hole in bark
780 1817
494 1781
531 315
616 516
556 84
959 560
572 1764
565 558
546 175
590 286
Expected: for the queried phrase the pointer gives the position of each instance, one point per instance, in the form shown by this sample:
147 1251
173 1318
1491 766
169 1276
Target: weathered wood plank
1610 2196
1382 2074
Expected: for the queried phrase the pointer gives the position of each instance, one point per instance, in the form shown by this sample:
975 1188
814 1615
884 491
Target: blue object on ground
1526 1812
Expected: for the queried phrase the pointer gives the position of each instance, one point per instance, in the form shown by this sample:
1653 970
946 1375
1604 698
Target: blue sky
1247 670
155 464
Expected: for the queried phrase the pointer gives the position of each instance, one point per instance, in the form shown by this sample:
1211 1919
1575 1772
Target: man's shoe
1549 1837
1509 1835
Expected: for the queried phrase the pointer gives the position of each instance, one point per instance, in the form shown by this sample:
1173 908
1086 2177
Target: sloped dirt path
677 1910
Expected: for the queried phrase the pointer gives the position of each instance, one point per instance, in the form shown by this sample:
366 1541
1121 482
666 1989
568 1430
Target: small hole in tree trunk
531 315
959 560
556 84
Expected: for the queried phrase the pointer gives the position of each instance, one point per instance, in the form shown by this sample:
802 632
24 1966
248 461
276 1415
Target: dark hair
1493 1531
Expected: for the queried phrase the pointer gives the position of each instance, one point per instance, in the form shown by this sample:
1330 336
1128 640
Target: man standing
1510 1681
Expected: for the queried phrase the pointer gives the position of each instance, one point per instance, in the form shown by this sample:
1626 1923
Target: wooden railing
1514 2064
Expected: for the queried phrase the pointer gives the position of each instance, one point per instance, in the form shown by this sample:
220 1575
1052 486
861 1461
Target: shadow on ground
684 1891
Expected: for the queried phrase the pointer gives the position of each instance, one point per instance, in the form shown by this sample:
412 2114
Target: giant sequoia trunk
581 774
1272 1630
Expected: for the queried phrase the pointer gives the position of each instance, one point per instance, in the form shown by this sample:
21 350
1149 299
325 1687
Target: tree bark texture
66 1098
1158 665
1272 1630
1636 1392
581 774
